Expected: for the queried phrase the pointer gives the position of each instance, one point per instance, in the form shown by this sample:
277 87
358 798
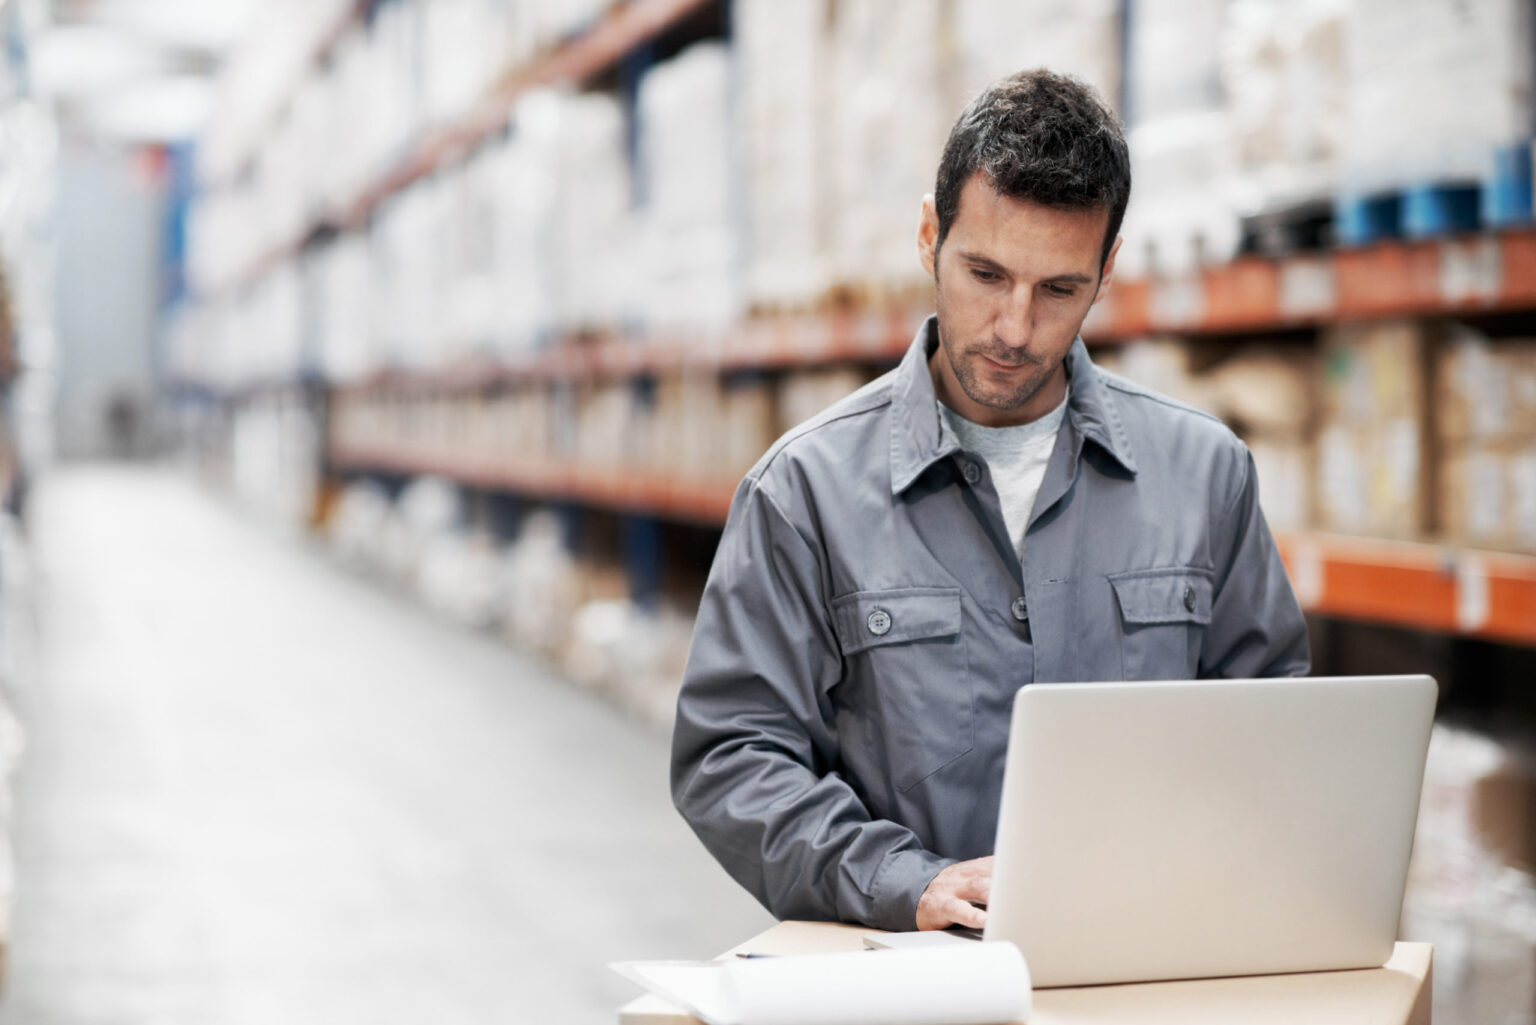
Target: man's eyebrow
980 260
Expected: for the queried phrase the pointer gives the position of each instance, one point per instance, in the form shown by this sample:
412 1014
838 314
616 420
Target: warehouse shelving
1440 587
763 343
704 502
231 155
1480 273
580 59
497 396
1477 274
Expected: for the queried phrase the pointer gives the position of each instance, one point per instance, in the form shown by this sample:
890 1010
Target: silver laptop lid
1187 829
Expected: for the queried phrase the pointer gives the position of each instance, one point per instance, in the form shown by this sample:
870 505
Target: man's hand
947 900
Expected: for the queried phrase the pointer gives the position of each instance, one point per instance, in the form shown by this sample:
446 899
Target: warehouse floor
259 789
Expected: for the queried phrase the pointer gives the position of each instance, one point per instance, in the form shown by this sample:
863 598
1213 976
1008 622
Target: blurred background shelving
497 300
388 277
520 328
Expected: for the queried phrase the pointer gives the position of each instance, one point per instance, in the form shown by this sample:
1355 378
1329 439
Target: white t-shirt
1017 457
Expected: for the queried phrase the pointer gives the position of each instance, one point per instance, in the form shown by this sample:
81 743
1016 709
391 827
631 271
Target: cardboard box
1287 470
805 393
747 423
1267 390
1485 389
1169 367
1373 479
1376 371
1486 494
1375 457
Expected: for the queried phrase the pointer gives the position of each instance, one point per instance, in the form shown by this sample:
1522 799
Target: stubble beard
964 364
969 374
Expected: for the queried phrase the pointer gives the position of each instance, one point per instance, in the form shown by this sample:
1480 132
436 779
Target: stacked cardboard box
782 59
1433 88
593 228
524 176
1374 461
606 412
748 424
690 235
1073 37
1267 394
1485 407
893 99
1182 211
1166 365
1282 70
345 334
690 425
691 409
805 393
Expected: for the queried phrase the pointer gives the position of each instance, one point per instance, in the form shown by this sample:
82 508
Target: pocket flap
1180 594
866 619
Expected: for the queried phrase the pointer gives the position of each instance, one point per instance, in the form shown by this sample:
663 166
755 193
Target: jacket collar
917 440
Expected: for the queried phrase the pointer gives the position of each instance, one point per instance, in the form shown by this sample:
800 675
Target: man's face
1014 281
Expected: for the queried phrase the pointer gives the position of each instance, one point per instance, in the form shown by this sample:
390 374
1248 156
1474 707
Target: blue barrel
1507 196
1361 220
1446 209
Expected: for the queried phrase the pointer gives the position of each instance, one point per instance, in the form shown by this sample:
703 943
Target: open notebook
973 984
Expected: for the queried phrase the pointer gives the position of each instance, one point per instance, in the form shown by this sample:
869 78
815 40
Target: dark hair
1041 137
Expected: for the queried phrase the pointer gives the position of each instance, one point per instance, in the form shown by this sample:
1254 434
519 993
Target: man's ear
928 235
1109 269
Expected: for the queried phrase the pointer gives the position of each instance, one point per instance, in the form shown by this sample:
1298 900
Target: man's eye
983 275
1060 291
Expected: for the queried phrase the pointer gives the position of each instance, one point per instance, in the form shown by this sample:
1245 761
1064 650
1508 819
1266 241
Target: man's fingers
948 898
974 886
965 913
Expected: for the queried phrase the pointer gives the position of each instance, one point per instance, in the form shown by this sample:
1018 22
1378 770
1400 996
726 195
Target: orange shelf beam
1441 588
693 500
765 343
1484 272
1438 588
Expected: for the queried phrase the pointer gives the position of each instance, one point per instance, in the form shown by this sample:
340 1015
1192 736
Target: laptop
1195 829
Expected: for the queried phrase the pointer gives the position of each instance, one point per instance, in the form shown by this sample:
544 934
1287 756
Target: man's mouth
1007 367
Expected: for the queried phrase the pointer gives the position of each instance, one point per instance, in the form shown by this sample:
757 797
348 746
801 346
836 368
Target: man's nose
1015 320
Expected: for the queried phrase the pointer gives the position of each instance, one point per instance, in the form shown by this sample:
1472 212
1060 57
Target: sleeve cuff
900 881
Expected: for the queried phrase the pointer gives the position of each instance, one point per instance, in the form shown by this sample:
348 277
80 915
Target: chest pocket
905 679
1163 616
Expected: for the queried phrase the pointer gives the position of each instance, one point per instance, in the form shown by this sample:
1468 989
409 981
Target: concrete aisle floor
258 789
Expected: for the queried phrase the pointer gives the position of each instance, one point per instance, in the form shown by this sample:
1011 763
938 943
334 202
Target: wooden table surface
1398 993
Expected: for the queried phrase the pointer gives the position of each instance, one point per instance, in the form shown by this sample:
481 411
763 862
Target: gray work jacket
845 710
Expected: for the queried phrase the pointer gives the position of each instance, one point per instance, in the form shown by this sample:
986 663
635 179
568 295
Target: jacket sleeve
1256 628
755 750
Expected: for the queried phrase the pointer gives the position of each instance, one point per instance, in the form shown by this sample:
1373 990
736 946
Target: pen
755 955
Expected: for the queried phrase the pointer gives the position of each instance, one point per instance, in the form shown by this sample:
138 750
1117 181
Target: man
995 511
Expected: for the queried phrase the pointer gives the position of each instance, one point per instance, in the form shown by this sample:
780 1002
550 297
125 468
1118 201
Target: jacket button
879 622
1020 609
1189 599
972 472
